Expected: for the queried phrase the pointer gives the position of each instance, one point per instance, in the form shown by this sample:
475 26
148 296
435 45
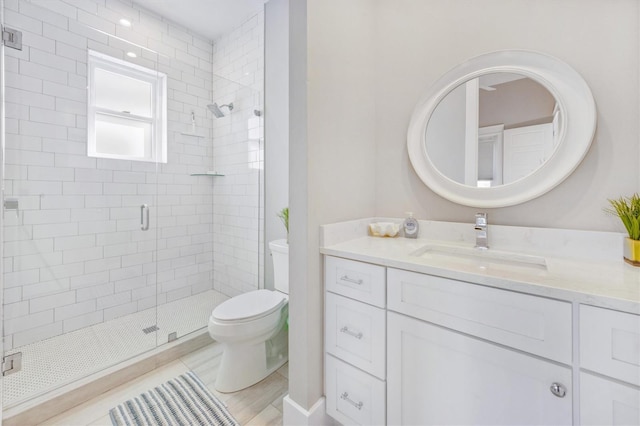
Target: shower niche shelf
208 174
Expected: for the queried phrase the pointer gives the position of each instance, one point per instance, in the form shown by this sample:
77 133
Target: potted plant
284 217
628 210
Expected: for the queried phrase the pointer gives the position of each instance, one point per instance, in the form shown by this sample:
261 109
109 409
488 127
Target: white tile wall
238 153
74 253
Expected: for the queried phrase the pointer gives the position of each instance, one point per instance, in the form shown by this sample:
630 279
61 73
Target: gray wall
276 124
359 67
598 38
300 369
332 163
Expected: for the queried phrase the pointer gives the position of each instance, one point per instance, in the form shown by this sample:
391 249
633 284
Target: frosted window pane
121 93
119 136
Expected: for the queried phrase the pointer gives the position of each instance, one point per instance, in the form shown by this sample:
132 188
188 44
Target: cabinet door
436 376
605 402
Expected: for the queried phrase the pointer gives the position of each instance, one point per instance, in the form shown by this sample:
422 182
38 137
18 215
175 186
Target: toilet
252 329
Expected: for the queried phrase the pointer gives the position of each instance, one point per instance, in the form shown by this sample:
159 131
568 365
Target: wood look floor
261 404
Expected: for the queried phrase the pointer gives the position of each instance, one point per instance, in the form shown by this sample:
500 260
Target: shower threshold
61 360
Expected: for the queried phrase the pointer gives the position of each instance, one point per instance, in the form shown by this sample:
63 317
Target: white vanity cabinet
355 341
409 348
543 328
443 364
610 348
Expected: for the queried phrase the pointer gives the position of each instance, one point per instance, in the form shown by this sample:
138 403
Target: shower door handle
144 217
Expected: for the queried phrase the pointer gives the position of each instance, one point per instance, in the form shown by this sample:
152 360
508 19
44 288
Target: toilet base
243 365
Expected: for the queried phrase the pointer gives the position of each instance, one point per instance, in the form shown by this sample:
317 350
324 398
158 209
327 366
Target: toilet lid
249 305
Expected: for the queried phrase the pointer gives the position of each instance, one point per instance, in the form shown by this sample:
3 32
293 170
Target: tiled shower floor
63 359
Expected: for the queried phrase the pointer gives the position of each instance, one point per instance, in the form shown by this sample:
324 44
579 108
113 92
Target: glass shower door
91 160
84 139
209 241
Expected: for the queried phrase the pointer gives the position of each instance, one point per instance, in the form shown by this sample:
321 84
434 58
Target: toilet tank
280 257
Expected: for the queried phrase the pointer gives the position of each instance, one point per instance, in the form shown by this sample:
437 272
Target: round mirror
501 129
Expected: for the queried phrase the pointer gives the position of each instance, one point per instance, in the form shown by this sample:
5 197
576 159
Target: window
127 113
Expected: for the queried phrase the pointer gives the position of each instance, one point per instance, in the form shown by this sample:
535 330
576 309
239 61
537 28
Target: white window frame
158 119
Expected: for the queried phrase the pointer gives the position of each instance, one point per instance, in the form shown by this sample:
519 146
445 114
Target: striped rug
184 400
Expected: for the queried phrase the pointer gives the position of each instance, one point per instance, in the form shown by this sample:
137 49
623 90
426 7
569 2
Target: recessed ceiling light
125 22
132 55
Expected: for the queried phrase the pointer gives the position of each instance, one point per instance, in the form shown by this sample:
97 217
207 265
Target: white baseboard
294 415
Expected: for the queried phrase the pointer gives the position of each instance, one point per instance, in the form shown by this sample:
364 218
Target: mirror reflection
493 130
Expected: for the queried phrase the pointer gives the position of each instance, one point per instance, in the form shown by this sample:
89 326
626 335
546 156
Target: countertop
607 283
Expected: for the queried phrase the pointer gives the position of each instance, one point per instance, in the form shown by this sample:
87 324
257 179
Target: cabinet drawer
353 396
610 343
355 332
533 324
357 280
605 402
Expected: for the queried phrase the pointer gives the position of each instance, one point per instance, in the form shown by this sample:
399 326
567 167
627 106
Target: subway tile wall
238 152
74 252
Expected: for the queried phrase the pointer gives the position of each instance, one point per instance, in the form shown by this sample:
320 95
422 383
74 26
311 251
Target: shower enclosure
130 209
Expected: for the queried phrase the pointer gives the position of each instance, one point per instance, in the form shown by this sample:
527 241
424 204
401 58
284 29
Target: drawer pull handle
346 330
345 396
351 280
558 390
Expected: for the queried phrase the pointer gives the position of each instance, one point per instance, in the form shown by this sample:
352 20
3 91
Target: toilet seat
249 306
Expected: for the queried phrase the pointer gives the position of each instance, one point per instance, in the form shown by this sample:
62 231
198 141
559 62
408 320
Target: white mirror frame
577 108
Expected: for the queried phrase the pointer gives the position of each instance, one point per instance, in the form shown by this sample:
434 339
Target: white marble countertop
601 280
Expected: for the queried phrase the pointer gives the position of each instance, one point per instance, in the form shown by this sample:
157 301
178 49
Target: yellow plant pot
632 251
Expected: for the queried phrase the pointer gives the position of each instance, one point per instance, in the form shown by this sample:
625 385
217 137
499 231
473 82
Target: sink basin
483 258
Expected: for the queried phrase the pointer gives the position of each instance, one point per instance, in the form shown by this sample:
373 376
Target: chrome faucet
482 235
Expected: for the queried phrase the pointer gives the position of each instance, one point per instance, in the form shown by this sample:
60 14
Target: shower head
215 109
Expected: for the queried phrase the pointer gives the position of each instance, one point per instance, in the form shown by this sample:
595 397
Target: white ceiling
210 18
